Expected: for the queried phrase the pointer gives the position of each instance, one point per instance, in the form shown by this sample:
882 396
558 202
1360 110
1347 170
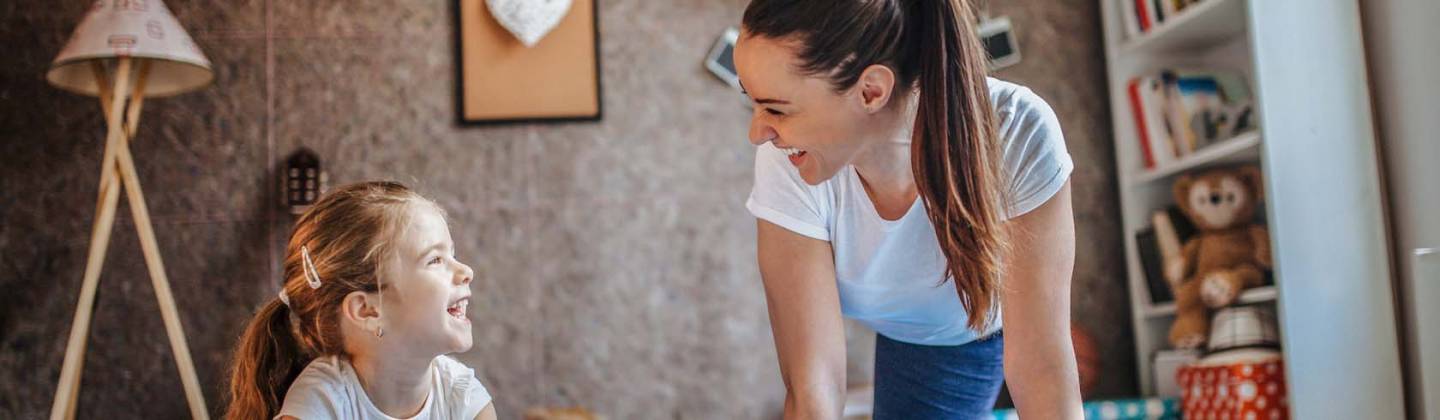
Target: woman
898 185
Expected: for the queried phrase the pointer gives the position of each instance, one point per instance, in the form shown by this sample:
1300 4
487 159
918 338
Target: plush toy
1226 255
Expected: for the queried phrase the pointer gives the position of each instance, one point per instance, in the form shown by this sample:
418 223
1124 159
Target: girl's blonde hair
347 234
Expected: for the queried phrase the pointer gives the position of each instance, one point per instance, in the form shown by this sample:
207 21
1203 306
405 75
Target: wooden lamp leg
168 310
69 384
118 171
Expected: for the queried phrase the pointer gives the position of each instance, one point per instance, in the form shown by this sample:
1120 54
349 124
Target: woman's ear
361 309
876 87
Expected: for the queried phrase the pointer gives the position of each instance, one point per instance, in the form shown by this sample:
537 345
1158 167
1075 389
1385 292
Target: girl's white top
329 389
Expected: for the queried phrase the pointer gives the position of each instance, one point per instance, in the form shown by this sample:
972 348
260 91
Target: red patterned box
1240 391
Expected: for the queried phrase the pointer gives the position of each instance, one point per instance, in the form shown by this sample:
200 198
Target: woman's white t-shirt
329 389
889 272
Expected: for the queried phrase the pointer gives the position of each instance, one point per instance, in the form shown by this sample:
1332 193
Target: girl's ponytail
267 360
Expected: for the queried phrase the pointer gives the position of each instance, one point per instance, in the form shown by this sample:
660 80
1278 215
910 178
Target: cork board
500 80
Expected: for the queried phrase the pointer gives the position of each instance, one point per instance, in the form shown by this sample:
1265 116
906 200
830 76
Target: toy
1227 254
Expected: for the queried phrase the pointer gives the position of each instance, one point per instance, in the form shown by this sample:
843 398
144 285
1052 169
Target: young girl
373 299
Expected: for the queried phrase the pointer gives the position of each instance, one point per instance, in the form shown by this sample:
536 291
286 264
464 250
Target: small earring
379 332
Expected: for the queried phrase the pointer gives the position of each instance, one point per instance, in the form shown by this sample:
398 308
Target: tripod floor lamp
122 52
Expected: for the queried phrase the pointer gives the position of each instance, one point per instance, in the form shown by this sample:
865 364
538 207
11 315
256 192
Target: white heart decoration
528 20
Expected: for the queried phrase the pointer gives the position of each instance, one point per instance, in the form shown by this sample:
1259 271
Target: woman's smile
796 155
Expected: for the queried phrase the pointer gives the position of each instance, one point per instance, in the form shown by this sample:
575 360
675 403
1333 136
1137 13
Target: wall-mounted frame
500 80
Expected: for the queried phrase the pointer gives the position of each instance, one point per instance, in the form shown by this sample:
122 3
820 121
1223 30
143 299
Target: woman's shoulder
1010 98
1022 117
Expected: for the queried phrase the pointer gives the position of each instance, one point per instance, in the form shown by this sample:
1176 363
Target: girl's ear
361 309
875 87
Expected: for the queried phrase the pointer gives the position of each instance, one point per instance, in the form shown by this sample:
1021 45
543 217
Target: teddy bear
1227 254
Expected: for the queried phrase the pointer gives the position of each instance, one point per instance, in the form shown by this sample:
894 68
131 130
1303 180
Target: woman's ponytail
267 360
955 154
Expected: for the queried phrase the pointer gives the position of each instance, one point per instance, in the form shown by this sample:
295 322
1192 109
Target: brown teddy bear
1225 256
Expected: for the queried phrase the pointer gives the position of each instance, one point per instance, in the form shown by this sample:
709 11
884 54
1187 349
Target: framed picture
501 79
721 59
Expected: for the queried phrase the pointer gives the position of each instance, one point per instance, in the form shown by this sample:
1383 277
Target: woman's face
425 305
820 129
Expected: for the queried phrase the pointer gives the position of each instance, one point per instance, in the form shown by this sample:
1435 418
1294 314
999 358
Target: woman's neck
397 385
885 167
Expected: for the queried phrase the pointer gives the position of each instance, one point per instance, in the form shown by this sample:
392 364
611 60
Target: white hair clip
311 275
284 298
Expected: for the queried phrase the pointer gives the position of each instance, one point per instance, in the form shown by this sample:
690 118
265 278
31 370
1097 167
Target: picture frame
499 80
721 59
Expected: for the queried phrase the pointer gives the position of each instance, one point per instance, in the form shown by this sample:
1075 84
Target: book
1167 240
1142 130
1132 21
1176 115
1169 7
1153 266
1163 239
1210 106
1145 15
1155 131
1162 134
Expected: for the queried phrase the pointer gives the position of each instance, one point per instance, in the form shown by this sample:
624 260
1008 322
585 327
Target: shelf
1256 295
1242 147
1203 24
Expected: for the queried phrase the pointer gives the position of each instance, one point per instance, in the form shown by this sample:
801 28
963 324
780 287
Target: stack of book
1143 15
1177 112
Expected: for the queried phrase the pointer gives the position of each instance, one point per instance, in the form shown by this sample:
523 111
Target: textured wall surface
616 259
1064 62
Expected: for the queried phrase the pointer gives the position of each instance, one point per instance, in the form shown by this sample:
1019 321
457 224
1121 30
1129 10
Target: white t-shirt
329 389
889 272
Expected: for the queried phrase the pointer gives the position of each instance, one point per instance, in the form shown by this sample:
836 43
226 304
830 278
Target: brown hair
347 234
932 47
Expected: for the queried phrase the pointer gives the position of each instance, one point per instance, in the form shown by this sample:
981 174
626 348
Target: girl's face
424 306
820 129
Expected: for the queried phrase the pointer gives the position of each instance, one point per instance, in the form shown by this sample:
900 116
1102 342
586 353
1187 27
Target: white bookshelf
1304 62
1209 34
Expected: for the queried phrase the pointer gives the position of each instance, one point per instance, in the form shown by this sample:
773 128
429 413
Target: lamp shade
131 28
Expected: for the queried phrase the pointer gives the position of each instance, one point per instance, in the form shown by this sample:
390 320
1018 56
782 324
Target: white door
1401 37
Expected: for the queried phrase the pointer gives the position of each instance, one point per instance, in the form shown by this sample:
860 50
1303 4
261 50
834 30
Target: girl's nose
467 274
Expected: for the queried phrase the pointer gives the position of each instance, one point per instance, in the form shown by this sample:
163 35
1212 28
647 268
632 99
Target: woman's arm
1035 303
804 303
488 413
